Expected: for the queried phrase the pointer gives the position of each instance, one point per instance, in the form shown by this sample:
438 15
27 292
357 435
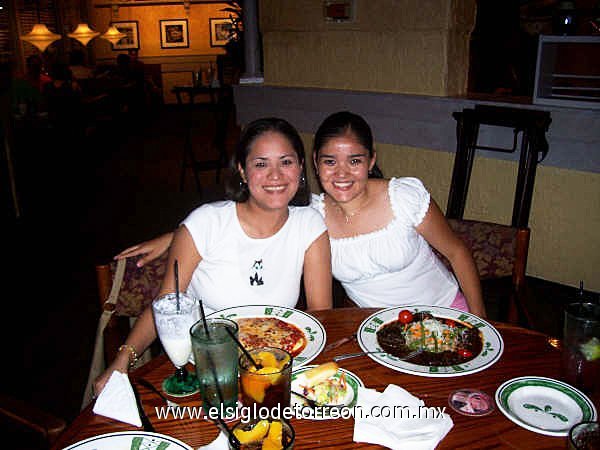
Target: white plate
308 413
126 440
544 405
493 345
312 328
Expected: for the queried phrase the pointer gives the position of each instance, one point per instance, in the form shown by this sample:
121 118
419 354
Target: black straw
203 318
177 286
258 366
223 425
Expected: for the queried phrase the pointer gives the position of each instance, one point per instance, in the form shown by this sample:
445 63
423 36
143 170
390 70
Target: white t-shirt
394 265
239 270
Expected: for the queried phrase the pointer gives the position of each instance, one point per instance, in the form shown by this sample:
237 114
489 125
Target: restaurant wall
399 46
177 64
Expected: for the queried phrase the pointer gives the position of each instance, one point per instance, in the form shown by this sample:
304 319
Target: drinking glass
215 356
173 319
270 386
258 436
584 436
581 346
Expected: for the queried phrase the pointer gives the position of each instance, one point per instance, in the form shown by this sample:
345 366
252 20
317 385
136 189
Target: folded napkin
220 443
409 427
117 400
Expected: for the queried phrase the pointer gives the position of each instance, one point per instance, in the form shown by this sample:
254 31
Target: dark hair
237 190
341 123
76 57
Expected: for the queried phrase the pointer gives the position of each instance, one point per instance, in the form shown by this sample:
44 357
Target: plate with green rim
491 350
544 405
126 440
313 330
353 383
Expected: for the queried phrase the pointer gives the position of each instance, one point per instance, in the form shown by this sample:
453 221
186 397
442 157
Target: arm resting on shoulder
435 229
317 274
150 250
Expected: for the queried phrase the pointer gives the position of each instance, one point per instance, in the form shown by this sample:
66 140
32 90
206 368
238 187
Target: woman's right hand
150 250
121 364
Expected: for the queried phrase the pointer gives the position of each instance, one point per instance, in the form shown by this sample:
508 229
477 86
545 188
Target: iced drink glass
216 356
173 317
268 386
581 346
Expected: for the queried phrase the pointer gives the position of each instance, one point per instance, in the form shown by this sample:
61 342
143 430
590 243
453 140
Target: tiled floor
79 208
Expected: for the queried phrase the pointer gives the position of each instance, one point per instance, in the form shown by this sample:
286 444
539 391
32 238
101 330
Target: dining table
526 353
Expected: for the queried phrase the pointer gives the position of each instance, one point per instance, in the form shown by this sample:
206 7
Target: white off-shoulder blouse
394 265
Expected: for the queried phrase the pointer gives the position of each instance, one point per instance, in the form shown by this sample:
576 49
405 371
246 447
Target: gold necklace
348 217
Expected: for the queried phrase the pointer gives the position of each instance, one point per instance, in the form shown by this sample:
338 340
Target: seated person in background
77 65
254 248
26 91
380 230
63 98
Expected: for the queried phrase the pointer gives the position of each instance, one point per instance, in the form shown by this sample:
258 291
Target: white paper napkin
220 443
406 427
117 400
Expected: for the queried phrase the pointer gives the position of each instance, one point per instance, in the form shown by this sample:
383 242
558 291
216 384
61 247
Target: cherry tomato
464 353
450 322
405 316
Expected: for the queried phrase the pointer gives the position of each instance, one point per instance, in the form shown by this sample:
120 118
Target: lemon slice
258 432
267 359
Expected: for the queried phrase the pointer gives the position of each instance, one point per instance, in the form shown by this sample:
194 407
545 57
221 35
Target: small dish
325 413
544 405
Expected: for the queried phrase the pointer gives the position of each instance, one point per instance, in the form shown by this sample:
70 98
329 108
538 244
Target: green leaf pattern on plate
310 333
148 443
546 410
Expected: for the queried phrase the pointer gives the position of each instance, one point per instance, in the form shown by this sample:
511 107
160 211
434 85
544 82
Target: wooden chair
30 426
500 251
124 291
500 254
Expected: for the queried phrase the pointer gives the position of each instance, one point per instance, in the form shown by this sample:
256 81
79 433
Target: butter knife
339 342
143 417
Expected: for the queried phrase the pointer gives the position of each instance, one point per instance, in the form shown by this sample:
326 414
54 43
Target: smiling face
343 167
272 171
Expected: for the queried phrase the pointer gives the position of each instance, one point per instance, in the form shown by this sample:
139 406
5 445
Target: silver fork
150 386
352 355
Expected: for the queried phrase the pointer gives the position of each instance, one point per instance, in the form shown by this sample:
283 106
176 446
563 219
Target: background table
526 353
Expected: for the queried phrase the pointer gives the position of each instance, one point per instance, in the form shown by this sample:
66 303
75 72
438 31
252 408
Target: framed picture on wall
174 33
132 39
220 31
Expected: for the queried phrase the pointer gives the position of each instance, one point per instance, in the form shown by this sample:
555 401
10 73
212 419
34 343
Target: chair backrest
139 286
499 251
27 424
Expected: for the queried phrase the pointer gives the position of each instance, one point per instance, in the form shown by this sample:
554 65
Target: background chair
28 425
500 254
124 291
500 251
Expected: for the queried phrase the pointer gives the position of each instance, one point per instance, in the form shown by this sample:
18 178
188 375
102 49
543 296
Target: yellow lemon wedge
255 434
276 431
267 359
255 386
269 444
272 372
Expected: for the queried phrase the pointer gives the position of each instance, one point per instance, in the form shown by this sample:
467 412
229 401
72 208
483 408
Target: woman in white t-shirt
252 249
381 231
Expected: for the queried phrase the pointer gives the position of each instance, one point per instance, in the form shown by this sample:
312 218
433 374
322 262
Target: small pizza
255 332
